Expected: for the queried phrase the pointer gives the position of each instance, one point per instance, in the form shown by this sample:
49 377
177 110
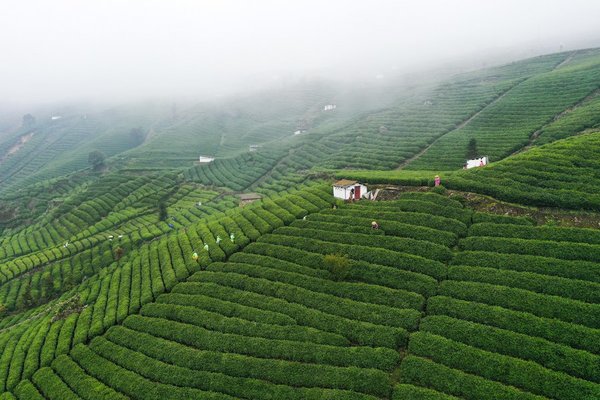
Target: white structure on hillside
349 190
477 162
55 117
205 159
299 131
329 107
254 147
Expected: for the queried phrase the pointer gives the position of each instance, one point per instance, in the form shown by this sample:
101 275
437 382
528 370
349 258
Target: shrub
272 370
338 265
523 300
558 357
511 371
554 330
425 372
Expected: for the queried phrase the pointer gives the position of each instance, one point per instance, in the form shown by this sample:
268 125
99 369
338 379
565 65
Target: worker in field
437 180
205 246
374 225
218 239
232 238
195 256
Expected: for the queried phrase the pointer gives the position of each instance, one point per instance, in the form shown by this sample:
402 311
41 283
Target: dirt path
267 174
17 146
565 61
459 126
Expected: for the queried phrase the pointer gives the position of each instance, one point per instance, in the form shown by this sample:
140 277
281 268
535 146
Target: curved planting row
507 125
281 319
391 137
236 173
561 174
517 317
32 340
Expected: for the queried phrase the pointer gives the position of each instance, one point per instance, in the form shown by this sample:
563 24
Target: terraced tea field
327 307
508 124
147 279
562 174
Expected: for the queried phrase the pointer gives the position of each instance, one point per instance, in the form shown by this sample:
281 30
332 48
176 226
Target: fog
111 50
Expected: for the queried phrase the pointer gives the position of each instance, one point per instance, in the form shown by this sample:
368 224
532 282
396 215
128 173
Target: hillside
281 319
147 278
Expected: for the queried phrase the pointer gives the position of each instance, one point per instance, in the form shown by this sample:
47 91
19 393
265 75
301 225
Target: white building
205 159
299 131
55 117
476 162
329 107
345 189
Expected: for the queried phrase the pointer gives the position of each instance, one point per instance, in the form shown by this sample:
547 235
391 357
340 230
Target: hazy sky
118 49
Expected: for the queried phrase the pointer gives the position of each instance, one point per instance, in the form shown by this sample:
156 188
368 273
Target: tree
162 211
472 151
47 286
96 160
119 253
28 120
137 135
68 282
28 300
338 265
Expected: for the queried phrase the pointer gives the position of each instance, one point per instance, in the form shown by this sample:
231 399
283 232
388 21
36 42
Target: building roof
345 182
250 196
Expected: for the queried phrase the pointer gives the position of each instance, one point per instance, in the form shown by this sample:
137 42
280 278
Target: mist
70 50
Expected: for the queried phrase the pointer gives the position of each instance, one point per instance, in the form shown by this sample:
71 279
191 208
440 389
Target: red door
357 192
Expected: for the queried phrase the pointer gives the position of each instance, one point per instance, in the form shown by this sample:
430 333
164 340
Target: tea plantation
149 276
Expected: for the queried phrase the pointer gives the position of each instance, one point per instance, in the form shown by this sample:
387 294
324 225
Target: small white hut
346 189
205 159
477 162
329 107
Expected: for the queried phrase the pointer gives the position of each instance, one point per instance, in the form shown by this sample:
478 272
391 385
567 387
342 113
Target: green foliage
28 121
162 211
426 372
404 391
501 368
577 363
507 124
322 307
96 160
472 150
523 300
554 330
338 265
560 174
